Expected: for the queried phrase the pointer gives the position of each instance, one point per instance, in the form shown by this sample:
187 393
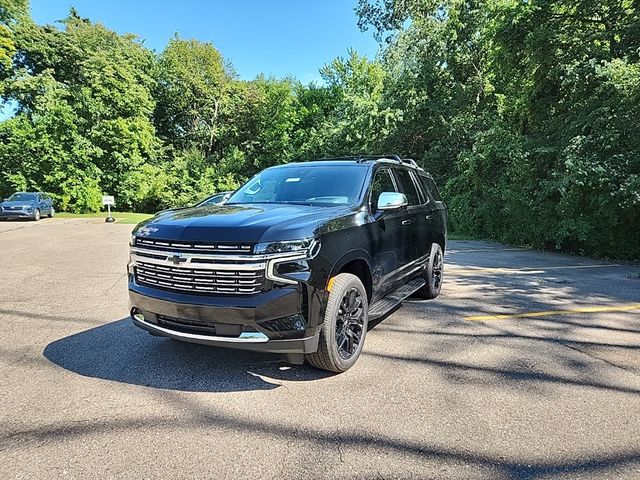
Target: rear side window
430 186
382 182
408 187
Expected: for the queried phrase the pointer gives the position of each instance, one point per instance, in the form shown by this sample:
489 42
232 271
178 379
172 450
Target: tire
433 274
338 351
52 214
36 215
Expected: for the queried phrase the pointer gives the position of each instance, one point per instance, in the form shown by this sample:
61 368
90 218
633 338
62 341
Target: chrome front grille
192 247
234 271
174 266
198 280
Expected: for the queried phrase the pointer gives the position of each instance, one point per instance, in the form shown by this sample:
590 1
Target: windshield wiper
298 203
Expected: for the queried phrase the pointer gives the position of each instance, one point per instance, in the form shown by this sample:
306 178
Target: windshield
214 199
22 197
306 184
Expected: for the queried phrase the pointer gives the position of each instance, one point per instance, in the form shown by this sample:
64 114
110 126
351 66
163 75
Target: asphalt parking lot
527 366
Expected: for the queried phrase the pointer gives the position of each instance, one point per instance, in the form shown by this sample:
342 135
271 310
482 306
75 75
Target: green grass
121 217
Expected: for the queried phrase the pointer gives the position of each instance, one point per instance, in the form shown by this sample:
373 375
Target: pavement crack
120 276
342 461
596 357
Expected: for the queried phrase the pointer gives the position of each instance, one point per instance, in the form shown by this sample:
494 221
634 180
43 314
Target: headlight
292 266
307 246
28 208
131 263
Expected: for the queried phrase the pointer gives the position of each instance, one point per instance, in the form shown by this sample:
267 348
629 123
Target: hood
19 203
240 223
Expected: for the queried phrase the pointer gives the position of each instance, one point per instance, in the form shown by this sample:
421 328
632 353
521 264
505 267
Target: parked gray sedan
32 205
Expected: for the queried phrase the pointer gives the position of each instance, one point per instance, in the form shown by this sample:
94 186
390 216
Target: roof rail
346 157
359 158
364 158
410 161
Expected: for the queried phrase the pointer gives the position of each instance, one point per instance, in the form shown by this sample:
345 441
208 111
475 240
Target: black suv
298 261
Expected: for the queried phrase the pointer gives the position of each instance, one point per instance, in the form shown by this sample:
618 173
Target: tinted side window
408 187
430 185
382 182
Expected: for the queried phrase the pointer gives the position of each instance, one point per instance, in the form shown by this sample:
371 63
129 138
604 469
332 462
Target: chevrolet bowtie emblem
146 231
177 259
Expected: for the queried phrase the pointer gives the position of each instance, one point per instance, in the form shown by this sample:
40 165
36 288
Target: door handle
407 222
429 217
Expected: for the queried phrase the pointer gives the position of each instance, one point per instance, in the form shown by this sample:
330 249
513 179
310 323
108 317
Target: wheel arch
357 263
441 239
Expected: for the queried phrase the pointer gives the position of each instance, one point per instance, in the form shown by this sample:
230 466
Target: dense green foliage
529 111
526 112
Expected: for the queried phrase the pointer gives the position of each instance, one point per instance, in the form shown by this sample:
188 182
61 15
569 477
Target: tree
11 12
88 91
192 86
528 108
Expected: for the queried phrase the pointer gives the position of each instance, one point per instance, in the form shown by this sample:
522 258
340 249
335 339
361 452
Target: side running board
389 303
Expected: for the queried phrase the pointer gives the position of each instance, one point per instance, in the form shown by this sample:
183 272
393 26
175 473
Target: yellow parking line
545 313
524 270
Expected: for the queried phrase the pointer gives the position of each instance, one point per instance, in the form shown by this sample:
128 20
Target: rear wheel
344 327
36 215
52 213
433 274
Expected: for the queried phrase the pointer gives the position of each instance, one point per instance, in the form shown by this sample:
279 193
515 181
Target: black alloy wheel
436 271
433 274
350 323
344 328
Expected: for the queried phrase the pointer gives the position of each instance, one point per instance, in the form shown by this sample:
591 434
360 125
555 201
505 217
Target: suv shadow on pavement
119 352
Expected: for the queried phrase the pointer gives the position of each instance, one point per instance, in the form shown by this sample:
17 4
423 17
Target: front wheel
433 274
36 215
344 327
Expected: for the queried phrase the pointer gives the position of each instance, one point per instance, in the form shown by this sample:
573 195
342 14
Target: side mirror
226 197
392 201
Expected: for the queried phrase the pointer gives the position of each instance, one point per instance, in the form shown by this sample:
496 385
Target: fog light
286 324
137 314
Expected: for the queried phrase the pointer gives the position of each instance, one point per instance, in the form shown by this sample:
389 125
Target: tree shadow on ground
120 352
199 414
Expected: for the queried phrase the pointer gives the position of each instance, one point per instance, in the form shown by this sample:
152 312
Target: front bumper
259 342
17 214
239 322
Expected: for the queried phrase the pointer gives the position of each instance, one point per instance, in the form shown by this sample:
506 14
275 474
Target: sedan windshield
22 197
306 184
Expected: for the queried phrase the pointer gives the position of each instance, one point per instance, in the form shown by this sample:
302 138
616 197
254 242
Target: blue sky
274 37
